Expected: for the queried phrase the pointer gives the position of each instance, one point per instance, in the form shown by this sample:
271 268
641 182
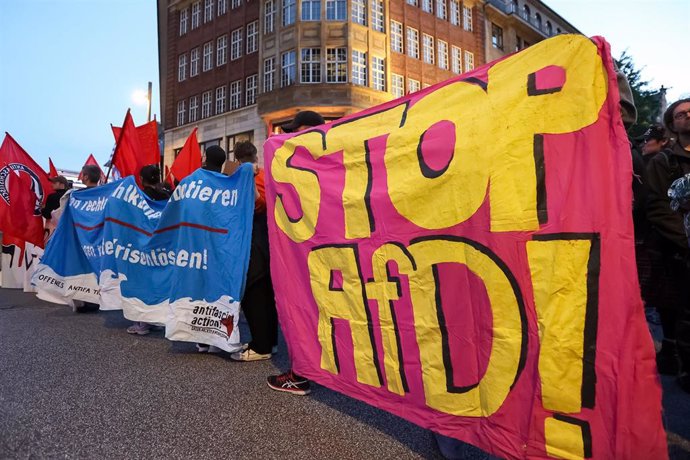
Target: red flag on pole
189 159
24 187
148 139
52 171
169 178
92 161
128 157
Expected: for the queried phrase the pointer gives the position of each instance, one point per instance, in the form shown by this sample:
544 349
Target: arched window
558 30
516 8
549 28
526 12
537 20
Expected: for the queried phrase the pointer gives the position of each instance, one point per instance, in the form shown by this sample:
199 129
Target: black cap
655 132
304 118
60 180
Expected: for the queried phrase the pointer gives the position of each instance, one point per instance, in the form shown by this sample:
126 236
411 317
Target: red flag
148 139
52 172
92 161
189 159
169 178
24 187
128 157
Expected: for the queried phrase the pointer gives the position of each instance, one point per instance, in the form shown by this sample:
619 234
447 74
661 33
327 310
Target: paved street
78 386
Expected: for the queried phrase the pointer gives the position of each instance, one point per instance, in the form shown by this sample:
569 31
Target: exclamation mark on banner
565 277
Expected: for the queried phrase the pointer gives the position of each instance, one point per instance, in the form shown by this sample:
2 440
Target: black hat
655 132
60 180
304 118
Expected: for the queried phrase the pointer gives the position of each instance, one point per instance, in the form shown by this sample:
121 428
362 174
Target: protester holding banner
668 242
289 381
90 176
60 186
258 302
150 177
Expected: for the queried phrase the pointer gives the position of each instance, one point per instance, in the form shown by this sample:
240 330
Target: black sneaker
289 382
667 359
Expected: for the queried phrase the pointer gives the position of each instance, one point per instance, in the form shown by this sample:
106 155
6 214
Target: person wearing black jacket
669 241
60 186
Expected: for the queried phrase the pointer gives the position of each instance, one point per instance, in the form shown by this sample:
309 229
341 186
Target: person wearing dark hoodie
669 240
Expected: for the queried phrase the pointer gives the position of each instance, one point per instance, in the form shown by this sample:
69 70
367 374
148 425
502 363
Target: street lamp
140 97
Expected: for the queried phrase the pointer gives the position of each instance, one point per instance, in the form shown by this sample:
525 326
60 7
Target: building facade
512 25
238 69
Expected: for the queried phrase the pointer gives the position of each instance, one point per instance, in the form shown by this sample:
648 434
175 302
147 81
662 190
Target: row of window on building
526 13
195 16
205 102
221 55
335 10
430 54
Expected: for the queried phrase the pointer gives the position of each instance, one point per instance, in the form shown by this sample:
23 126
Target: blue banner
181 262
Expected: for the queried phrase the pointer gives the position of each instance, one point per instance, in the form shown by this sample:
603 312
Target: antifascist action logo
36 186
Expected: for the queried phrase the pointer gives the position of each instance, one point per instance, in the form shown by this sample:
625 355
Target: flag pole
117 144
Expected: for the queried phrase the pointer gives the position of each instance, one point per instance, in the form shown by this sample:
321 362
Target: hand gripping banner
463 257
180 263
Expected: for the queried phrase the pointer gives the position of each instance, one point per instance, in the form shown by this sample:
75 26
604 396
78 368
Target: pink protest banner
463 258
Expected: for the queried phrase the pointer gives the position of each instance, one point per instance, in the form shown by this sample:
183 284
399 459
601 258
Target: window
269 74
180 113
518 43
441 9
378 73
456 60
412 43
208 10
269 16
549 28
336 10
235 95
222 50
311 10
359 12
377 15
526 12
193 108
235 4
537 20
184 21
235 138
222 7
469 61
252 37
428 6
288 12
287 69
336 65
442 55
359 68
397 85
207 63
250 97
428 48
496 36
206 104
396 37
311 65
182 67
455 12
412 2
413 86
236 44
220 99
194 62
467 18
514 6
196 14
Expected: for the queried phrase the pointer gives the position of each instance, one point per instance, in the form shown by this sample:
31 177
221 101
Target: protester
60 187
150 176
654 140
668 242
289 381
90 177
258 302
677 121
215 159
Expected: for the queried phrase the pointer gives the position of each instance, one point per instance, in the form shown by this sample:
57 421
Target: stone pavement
78 386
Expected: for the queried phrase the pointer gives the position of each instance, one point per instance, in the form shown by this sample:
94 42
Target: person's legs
259 309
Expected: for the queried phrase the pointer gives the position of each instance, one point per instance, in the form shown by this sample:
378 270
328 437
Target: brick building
238 69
